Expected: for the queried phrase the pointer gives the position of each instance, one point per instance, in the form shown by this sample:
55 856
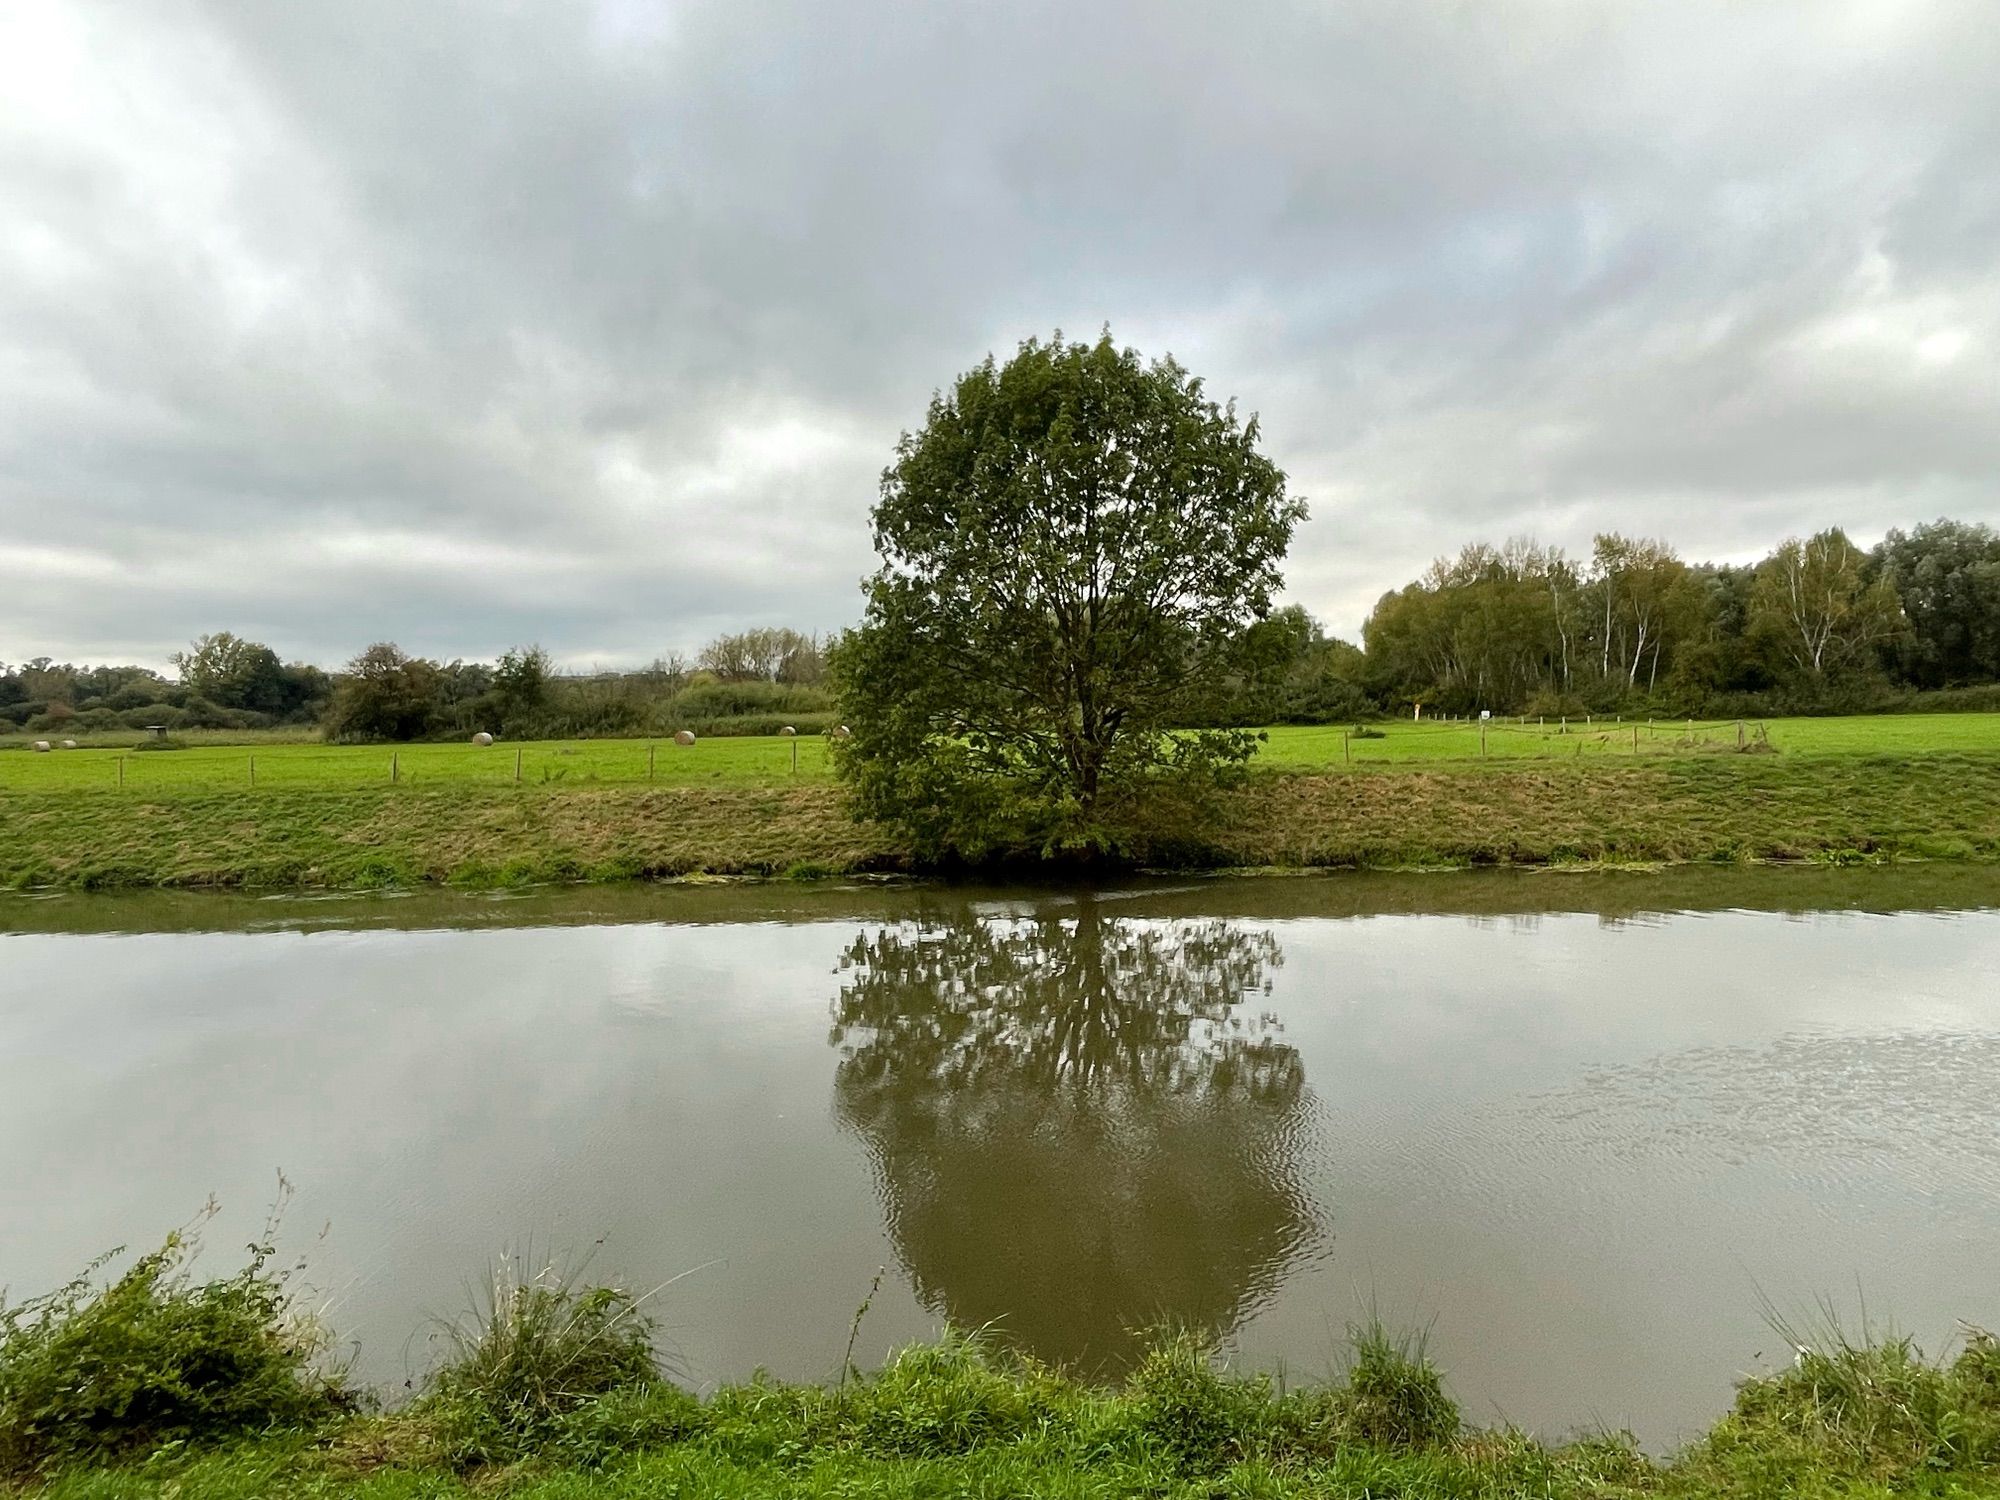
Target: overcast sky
474 324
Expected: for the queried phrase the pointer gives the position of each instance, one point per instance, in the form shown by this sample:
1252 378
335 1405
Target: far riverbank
1718 808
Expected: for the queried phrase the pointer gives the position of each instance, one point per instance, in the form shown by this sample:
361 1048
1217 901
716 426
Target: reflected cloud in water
1082 1124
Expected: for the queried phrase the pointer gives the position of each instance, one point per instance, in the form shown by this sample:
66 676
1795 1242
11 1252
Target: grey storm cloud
472 324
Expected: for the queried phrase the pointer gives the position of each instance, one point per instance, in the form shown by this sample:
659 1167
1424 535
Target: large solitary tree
1072 548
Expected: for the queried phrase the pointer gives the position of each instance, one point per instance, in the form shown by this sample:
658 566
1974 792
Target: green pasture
1320 746
208 766
737 759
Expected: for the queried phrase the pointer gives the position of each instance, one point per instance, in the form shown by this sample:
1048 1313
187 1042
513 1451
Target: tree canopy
1073 547
1947 574
228 670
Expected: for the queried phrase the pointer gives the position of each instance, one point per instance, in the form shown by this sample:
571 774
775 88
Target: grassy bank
951 1420
957 1419
152 1384
1720 808
1536 812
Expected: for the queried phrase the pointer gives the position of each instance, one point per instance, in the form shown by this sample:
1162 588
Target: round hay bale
482 738
69 744
788 731
40 747
841 731
684 737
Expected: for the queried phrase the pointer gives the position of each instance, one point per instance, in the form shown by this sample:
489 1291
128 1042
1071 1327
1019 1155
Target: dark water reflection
1585 1122
1083 1127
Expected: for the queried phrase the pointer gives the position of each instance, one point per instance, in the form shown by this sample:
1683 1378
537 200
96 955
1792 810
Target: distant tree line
223 682
1817 626
751 682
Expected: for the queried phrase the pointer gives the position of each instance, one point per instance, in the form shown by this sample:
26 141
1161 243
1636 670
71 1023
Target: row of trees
746 683
1817 624
222 682
737 682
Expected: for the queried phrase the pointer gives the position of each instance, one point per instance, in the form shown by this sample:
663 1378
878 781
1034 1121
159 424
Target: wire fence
336 767
775 760
1521 737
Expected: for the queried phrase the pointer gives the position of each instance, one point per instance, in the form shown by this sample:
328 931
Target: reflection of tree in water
1081 1126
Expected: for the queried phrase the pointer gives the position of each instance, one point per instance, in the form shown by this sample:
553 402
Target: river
1590 1129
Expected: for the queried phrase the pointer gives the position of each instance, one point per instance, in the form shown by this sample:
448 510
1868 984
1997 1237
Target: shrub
1395 1396
92 1372
1879 1404
629 1419
133 696
1392 1399
542 1348
727 700
1188 1409
1549 703
950 1397
154 713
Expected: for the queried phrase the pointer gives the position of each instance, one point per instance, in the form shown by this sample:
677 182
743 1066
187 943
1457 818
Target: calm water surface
1586 1123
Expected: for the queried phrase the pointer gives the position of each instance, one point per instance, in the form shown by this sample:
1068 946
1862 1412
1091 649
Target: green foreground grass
955 1418
1534 812
152 1382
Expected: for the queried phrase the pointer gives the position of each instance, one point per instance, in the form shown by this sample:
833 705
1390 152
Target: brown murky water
1587 1124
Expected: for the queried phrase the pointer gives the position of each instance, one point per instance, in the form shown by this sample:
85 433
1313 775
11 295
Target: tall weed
539 1347
99 1370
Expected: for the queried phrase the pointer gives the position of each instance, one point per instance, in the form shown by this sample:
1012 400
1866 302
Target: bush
542 1349
1190 1411
93 1372
154 713
1395 1396
1392 1399
629 1419
951 1397
132 697
1549 703
777 701
1876 1404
